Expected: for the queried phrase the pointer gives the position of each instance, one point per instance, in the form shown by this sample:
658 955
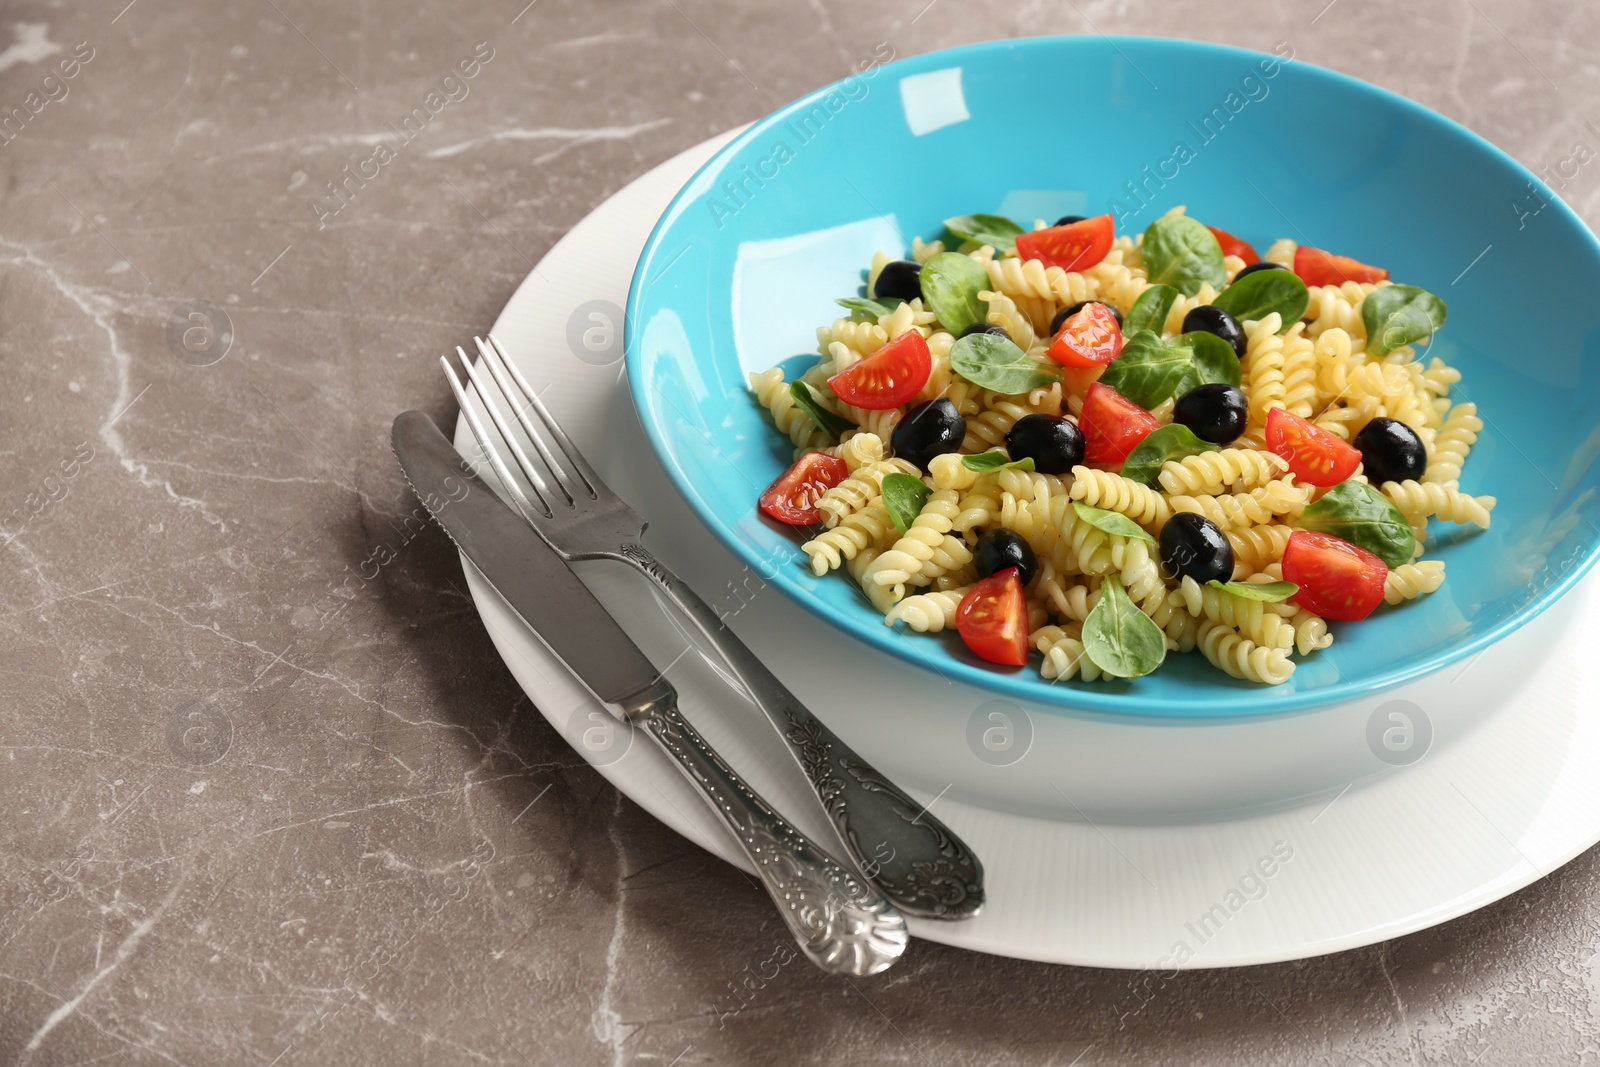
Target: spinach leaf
1396 315
1149 369
1180 252
951 283
1255 296
1150 311
1363 516
1111 522
830 424
903 498
1271 592
996 230
1170 442
1119 638
992 362
996 460
870 305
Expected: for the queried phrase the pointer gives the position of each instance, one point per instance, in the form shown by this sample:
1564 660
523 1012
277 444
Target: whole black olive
1215 412
1054 443
1212 319
1391 451
986 327
930 429
1001 548
900 277
1192 546
1067 312
1263 265
1068 220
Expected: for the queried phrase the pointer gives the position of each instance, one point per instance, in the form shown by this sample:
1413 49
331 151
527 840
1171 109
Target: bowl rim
1025 685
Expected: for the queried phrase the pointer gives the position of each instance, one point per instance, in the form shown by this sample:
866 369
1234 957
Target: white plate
1107 842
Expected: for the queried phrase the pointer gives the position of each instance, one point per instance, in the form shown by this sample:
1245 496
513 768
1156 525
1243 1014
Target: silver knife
843 923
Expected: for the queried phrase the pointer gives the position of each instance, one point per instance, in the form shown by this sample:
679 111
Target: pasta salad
1102 448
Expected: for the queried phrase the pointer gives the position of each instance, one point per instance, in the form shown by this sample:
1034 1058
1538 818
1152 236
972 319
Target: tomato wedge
1075 246
1314 454
993 619
1112 424
1090 338
1337 580
792 498
1234 246
888 377
1317 267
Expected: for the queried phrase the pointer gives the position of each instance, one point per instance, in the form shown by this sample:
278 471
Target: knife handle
843 924
923 867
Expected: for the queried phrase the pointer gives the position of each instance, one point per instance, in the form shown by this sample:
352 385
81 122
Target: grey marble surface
242 828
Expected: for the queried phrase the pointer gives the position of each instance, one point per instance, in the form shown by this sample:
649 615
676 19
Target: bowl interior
748 260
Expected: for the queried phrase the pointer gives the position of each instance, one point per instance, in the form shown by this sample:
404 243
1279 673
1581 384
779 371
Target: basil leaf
1119 638
1150 311
1255 296
1215 362
1271 592
1396 315
1363 516
951 283
870 305
1180 252
996 460
1111 522
1149 369
1170 442
996 230
992 362
903 498
830 424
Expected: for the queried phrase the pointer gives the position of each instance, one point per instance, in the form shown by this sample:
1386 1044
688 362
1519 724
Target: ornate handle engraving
843 924
923 867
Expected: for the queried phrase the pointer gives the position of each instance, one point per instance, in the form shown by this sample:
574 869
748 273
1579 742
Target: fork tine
593 482
493 405
498 367
480 433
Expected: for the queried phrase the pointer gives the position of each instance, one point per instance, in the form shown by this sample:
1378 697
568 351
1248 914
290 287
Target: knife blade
535 582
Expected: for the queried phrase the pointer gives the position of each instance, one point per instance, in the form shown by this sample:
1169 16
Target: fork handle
918 862
841 923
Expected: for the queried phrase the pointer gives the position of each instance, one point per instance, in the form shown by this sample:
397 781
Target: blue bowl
747 261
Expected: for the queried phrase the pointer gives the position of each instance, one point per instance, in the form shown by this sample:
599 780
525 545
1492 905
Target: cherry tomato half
1234 246
1090 338
1112 424
792 498
1317 267
993 619
888 377
1314 454
1337 580
1075 246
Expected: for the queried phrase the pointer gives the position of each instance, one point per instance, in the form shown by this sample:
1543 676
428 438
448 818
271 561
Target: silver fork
924 868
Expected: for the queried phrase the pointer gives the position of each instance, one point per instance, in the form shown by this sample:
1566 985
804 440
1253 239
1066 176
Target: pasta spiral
868 527
858 490
772 393
1211 473
1249 617
1256 546
925 551
928 613
1102 489
1452 443
1421 500
1411 580
1241 657
1064 656
1255 508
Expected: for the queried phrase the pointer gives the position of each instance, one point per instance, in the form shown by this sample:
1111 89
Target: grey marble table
268 795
